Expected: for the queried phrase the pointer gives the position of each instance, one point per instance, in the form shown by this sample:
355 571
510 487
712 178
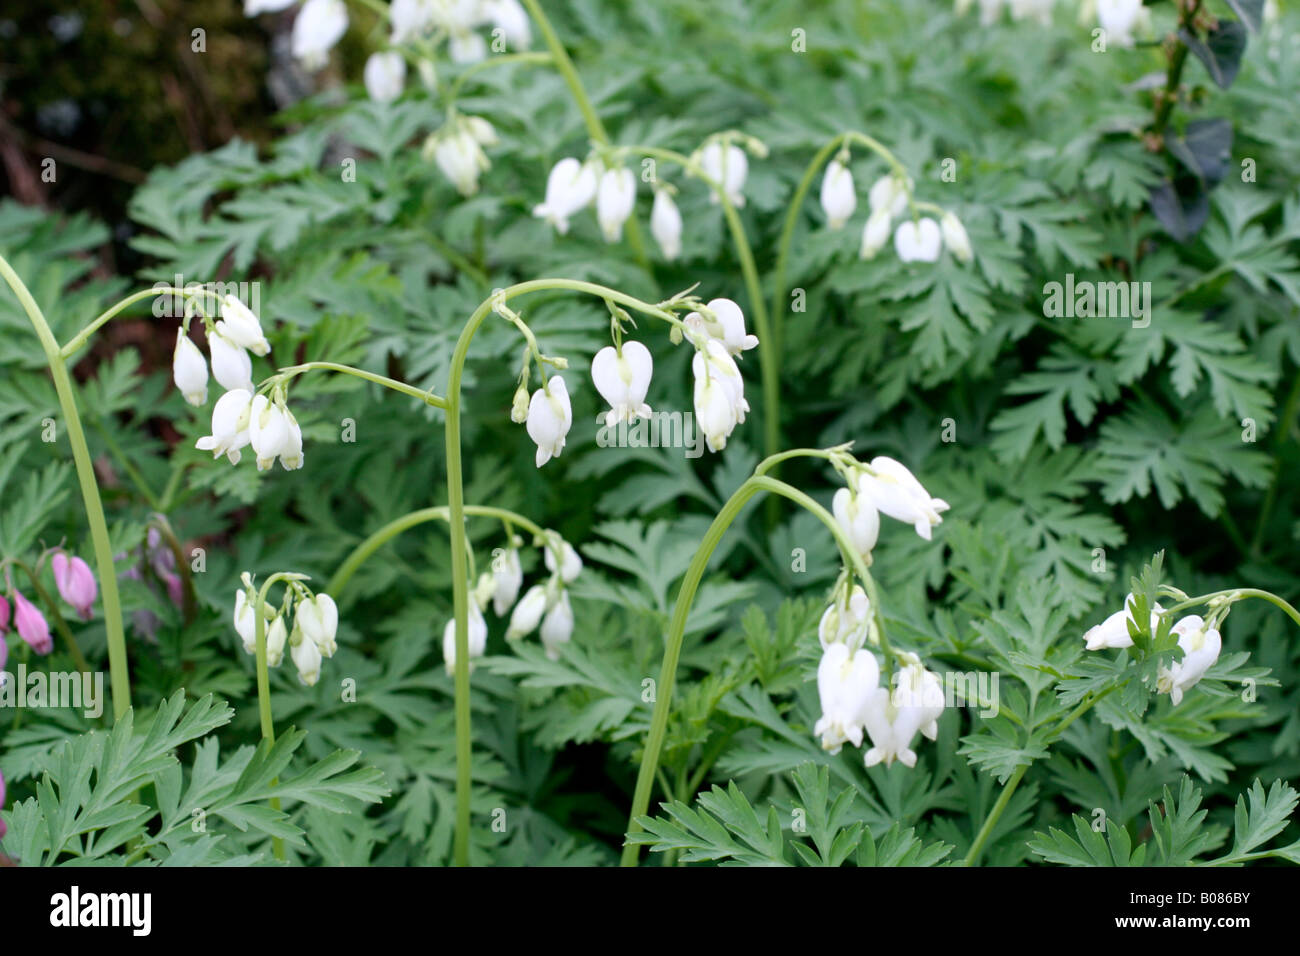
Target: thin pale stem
363 552
119 677
264 684
425 396
677 628
457 510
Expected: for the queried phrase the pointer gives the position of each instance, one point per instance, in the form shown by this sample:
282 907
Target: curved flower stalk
57 356
720 163
265 633
547 417
853 702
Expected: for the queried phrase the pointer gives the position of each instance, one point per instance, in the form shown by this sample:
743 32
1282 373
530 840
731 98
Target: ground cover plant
583 433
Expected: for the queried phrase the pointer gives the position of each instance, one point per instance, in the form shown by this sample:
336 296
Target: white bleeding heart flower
320 24
570 187
527 613
385 75
318 619
557 626
847 682
892 719
291 457
846 622
549 416
1201 646
268 430
507 577
483 132
409 19
615 199
190 370
276 638
1119 18
231 366
569 564
724 322
728 166
839 198
719 394
1113 632
306 657
230 417
889 194
245 622
509 17
857 515
623 381
476 632
461 158
239 324
666 224
920 241
895 491
955 237
875 233
467 47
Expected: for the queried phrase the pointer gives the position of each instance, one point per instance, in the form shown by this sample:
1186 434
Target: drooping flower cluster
544 607
419 25
917 238
855 705
573 185
311 638
457 148
1198 637
155 564
622 373
242 416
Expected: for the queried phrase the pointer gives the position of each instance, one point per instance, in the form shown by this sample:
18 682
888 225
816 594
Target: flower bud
189 370
76 583
31 626
955 237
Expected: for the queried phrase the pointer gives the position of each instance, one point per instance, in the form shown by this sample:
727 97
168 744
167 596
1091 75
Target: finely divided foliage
1040 312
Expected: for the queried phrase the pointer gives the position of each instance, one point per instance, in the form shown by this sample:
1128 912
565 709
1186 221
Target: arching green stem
119 678
427 397
779 305
75 344
681 610
456 509
362 552
501 59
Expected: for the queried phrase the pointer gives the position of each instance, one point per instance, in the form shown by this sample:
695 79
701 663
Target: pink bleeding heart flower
76 583
174 589
31 625
4 615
